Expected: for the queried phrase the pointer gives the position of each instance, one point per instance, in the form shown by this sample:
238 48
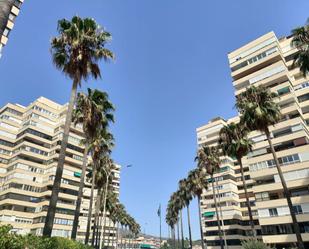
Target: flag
159 211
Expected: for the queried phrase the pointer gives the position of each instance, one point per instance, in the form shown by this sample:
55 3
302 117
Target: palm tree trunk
286 193
181 229
96 235
103 229
178 235
217 213
204 245
174 236
121 234
189 226
96 219
117 234
80 194
109 231
104 209
247 198
48 227
221 216
90 205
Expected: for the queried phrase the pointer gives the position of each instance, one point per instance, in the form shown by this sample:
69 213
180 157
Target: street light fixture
107 174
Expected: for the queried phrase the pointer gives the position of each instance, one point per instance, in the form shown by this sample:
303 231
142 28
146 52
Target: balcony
261 59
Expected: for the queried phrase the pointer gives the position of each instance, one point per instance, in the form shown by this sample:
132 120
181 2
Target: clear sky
171 76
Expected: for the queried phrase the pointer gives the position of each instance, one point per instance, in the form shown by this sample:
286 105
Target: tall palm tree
208 159
171 218
198 182
179 204
107 177
94 112
100 146
234 143
76 52
301 42
186 196
259 111
103 188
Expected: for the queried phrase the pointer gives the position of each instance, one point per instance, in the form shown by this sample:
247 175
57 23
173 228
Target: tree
186 196
259 111
234 143
208 159
100 147
172 218
76 52
94 112
300 41
198 182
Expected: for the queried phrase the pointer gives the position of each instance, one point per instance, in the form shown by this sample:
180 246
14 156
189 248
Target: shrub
254 244
13 241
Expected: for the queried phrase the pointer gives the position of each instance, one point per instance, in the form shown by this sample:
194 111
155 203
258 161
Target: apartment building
265 61
9 10
30 140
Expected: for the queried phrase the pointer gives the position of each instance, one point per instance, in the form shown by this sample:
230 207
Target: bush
13 241
254 244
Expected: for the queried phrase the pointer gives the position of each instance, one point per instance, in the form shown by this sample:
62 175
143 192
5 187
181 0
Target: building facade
9 10
30 140
265 61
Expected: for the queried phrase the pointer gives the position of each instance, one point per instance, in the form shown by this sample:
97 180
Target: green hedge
13 241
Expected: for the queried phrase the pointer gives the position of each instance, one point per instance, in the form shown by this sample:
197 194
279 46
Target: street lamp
107 174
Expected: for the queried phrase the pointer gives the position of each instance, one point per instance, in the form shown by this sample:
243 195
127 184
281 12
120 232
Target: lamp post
107 174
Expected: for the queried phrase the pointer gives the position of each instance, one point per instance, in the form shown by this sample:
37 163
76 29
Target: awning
209 214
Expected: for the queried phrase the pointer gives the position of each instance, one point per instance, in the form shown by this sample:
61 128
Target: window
303 98
45 111
264 196
301 86
286 160
298 209
12 17
252 50
273 212
17 4
6 32
283 91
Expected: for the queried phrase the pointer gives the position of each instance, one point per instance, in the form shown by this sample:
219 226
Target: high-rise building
265 61
30 140
9 10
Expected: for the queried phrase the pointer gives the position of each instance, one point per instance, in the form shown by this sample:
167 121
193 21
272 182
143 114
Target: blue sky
170 76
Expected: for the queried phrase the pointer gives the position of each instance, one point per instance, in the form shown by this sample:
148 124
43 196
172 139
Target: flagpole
160 227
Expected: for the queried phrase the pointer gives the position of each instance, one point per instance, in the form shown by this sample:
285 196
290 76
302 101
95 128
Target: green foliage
165 246
254 244
13 241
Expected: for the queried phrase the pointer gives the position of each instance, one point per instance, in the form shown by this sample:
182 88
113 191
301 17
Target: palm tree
101 145
107 177
186 196
94 112
172 218
179 204
234 143
102 189
301 42
76 52
208 159
198 183
259 111
111 203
